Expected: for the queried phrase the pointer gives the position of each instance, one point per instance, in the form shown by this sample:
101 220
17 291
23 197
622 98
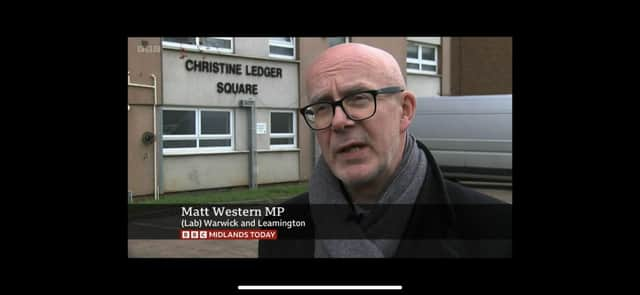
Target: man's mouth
350 148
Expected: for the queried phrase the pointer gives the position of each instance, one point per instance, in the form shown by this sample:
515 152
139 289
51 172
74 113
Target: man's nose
340 119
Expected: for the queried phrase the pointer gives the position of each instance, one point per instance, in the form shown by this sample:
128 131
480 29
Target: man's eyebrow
328 97
356 89
321 98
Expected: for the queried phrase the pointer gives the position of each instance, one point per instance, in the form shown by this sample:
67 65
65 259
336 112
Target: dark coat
459 227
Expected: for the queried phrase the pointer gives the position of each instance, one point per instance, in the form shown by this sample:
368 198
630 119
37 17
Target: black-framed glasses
357 106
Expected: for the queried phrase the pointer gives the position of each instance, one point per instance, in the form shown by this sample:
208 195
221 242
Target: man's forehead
351 51
341 82
327 92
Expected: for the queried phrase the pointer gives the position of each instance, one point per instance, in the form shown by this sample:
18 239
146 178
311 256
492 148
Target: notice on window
261 128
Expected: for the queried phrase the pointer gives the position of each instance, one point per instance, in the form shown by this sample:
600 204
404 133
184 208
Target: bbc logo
149 49
193 234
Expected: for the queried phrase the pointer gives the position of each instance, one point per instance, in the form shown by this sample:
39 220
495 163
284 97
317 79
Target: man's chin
356 178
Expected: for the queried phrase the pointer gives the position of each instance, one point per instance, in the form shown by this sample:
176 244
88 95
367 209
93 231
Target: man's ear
408 103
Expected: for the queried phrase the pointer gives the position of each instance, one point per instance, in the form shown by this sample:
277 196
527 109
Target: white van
470 136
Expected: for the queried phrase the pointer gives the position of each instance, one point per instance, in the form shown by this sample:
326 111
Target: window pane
215 122
281 50
282 141
281 123
179 122
428 53
333 41
179 143
184 40
413 66
215 42
215 142
429 68
412 51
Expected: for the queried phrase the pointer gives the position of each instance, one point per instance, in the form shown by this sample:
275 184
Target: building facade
216 112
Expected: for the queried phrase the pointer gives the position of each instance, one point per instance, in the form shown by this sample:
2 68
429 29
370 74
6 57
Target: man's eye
359 99
322 108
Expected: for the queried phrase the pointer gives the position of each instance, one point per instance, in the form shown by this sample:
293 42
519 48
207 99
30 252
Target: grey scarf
325 188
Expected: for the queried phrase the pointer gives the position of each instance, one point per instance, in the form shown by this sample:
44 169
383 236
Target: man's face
359 152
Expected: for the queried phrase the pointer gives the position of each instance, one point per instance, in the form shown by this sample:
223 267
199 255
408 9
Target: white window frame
421 61
216 136
198 47
279 43
167 151
198 135
283 135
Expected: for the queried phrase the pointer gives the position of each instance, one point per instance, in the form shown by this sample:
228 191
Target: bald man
377 192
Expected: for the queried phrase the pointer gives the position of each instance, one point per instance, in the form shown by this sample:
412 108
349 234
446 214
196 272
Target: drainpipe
253 175
254 155
155 141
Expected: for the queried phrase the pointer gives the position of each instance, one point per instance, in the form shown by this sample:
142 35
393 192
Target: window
180 127
215 129
422 58
282 47
192 131
208 44
283 129
333 41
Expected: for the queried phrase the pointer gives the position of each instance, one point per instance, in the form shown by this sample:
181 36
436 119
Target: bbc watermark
148 49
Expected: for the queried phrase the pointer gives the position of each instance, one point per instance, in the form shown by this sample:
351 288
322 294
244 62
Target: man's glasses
357 106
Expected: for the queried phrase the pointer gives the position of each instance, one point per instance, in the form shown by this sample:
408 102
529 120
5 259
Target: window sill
193 48
281 149
174 154
281 57
424 74
195 153
231 54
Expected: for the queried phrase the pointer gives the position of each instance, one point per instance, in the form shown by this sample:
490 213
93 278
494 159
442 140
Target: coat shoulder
463 195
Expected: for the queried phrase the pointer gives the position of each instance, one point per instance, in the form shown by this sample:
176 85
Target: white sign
261 128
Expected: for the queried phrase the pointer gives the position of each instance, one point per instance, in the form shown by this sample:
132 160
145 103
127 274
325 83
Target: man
379 179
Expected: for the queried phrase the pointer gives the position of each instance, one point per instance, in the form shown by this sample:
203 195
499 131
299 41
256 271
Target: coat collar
433 192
